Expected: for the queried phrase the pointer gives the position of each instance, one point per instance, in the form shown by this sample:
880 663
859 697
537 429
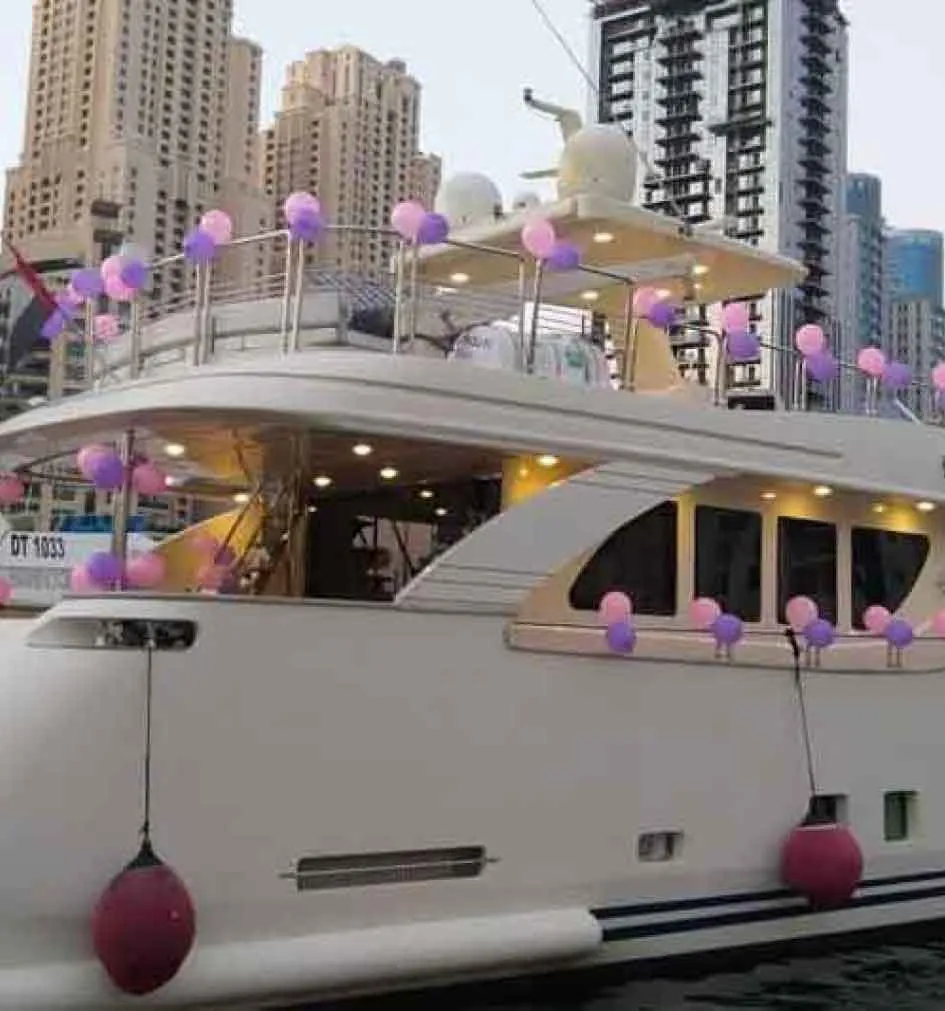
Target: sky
474 58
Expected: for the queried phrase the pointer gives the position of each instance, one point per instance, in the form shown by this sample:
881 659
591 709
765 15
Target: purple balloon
88 282
822 367
564 256
306 225
104 568
896 376
899 633
54 325
134 275
742 347
727 629
434 228
199 247
819 633
621 637
661 314
107 472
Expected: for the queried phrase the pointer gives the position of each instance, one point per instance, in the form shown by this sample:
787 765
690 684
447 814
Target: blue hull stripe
790 906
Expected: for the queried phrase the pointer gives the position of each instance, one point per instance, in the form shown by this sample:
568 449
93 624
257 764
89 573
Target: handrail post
399 282
198 313
536 308
522 298
286 294
628 365
299 286
89 339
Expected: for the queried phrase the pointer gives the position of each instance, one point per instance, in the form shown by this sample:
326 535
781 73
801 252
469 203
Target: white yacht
405 755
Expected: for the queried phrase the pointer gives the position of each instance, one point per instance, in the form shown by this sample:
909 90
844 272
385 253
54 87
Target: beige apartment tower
152 107
348 131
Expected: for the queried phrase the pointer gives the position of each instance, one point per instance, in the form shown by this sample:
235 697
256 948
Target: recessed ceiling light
879 507
426 493
663 293
699 269
312 509
241 497
769 496
602 237
175 449
459 277
823 491
389 473
590 296
440 511
322 481
925 507
362 449
523 472
171 481
547 460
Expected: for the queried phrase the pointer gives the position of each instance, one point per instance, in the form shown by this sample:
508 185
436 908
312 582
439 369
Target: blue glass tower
916 265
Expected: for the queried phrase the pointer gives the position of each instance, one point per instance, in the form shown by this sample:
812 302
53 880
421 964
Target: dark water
907 978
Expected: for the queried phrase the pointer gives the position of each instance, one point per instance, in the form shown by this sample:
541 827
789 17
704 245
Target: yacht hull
293 730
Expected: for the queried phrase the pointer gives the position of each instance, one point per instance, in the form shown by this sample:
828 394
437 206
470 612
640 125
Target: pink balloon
871 361
736 318
538 237
218 225
643 301
6 591
810 339
117 290
703 612
87 457
876 618
299 202
12 489
145 571
105 327
938 377
800 612
615 606
406 219
210 576
112 266
80 581
205 545
938 622
148 479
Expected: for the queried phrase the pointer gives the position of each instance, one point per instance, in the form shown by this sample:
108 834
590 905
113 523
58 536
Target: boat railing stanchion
134 342
298 286
536 312
629 362
286 293
89 343
414 292
721 368
399 280
205 314
522 299
121 511
198 312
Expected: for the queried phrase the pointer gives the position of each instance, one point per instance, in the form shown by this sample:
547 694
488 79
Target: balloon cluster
706 615
819 363
102 466
654 306
741 345
303 215
896 631
616 612
201 244
540 239
803 616
103 570
414 223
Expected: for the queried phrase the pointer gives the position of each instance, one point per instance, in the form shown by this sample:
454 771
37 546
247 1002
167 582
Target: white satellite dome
468 198
525 201
600 159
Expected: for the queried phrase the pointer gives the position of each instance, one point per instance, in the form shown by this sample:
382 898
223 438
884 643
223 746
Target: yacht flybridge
494 678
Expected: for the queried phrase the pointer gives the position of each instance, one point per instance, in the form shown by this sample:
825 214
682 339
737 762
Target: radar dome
600 159
525 201
468 199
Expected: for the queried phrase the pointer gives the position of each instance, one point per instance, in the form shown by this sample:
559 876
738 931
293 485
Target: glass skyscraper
916 265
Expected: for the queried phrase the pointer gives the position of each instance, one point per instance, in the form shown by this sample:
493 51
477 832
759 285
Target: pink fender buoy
143 925
823 862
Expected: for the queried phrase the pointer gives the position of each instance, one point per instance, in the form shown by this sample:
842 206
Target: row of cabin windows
641 559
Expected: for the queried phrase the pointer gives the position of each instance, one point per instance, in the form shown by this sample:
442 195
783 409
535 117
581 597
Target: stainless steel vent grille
357 870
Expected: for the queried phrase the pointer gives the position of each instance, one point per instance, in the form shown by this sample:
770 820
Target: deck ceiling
646 245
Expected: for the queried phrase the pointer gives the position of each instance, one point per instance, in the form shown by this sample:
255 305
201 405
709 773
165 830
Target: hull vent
399 867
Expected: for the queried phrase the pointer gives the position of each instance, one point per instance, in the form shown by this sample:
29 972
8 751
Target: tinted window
807 564
640 559
728 559
886 565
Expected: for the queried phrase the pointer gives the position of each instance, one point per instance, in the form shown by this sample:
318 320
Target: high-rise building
916 335
916 264
131 105
348 130
741 110
864 277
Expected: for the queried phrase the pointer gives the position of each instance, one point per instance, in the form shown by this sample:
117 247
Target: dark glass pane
807 564
640 559
728 559
886 565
